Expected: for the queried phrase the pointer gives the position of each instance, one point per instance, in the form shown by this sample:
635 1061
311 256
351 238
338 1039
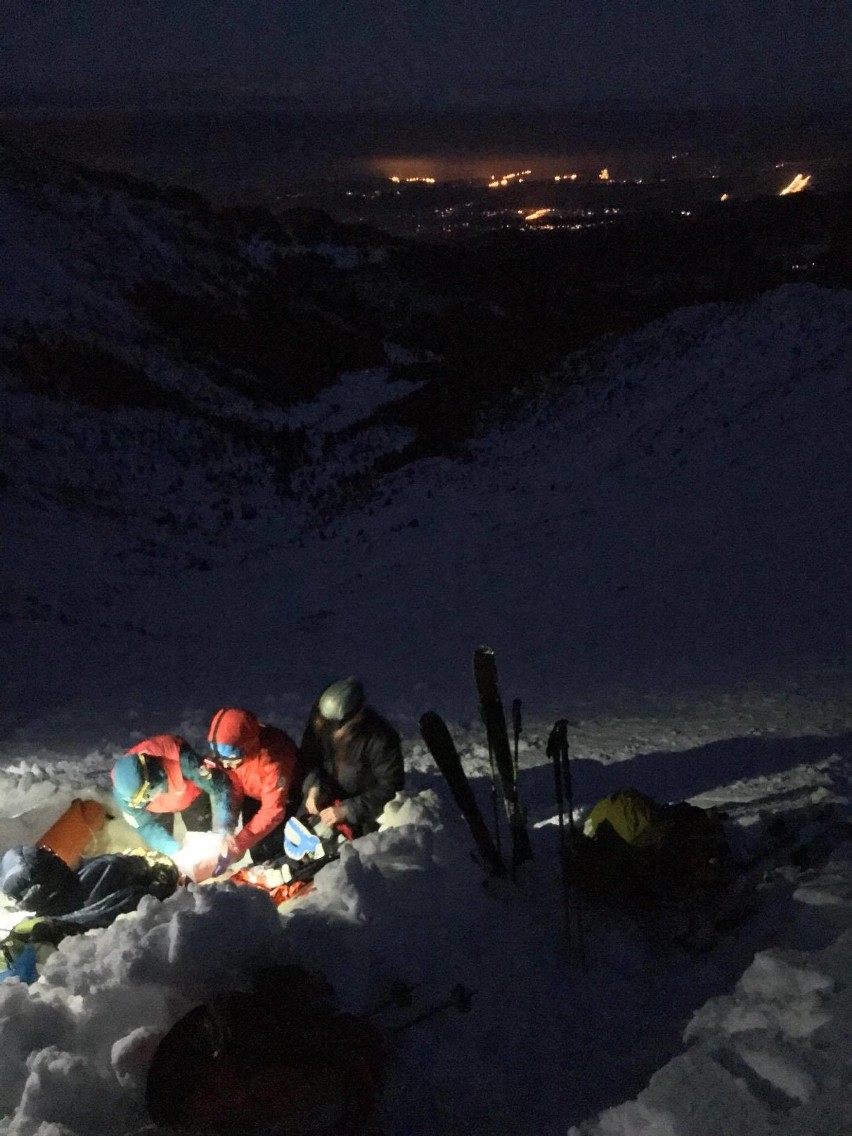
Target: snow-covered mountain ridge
677 511
682 510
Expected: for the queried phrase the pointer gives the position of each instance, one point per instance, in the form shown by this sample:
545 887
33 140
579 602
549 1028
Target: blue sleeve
216 784
148 827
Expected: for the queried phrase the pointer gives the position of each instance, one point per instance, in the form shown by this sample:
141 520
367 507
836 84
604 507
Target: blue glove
228 853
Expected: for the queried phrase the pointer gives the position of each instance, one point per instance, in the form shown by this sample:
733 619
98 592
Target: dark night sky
341 54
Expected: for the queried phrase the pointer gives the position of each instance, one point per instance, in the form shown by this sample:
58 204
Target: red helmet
234 734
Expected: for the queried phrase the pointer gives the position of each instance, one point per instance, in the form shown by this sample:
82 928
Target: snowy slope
658 550
676 518
625 538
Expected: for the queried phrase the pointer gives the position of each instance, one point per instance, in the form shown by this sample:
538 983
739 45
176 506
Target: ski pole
569 851
401 994
516 729
568 782
553 753
460 998
495 807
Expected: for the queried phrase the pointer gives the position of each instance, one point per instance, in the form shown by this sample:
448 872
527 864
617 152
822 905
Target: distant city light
603 175
799 182
565 177
408 180
536 214
504 179
724 197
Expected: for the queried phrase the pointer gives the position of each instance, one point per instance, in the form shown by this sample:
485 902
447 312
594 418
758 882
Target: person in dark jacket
352 759
162 776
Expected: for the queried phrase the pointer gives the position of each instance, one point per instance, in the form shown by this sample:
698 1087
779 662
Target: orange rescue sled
77 826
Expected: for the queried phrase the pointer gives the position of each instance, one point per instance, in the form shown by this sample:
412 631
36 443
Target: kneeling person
352 759
162 776
261 763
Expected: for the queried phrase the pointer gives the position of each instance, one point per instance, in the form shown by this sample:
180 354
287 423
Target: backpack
635 852
637 819
279 1058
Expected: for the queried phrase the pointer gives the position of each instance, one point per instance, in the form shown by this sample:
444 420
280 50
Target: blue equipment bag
23 967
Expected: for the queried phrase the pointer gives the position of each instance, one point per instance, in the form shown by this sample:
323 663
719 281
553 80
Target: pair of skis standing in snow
504 769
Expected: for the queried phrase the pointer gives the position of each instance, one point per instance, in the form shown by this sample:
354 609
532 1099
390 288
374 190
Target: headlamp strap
141 795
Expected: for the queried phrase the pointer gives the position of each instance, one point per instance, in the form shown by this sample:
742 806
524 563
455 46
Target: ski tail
435 734
491 708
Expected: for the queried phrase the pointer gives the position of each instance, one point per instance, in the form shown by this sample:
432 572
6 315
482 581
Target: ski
435 734
491 708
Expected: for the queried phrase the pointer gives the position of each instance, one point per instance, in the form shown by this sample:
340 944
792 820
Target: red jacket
265 773
181 792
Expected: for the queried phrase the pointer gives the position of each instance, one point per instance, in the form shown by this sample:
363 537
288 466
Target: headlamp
227 755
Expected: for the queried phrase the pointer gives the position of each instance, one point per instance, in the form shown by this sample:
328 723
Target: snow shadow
681 774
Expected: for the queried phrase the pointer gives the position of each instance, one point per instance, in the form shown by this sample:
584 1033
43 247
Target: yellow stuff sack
634 817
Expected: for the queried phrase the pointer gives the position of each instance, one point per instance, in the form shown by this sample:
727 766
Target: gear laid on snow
26 946
299 842
280 1059
67 902
22 966
70 835
38 880
284 880
670 861
99 889
634 817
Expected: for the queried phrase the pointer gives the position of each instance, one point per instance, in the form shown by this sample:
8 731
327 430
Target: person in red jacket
162 776
261 762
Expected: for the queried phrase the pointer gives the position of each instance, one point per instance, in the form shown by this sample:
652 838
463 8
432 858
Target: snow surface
660 555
